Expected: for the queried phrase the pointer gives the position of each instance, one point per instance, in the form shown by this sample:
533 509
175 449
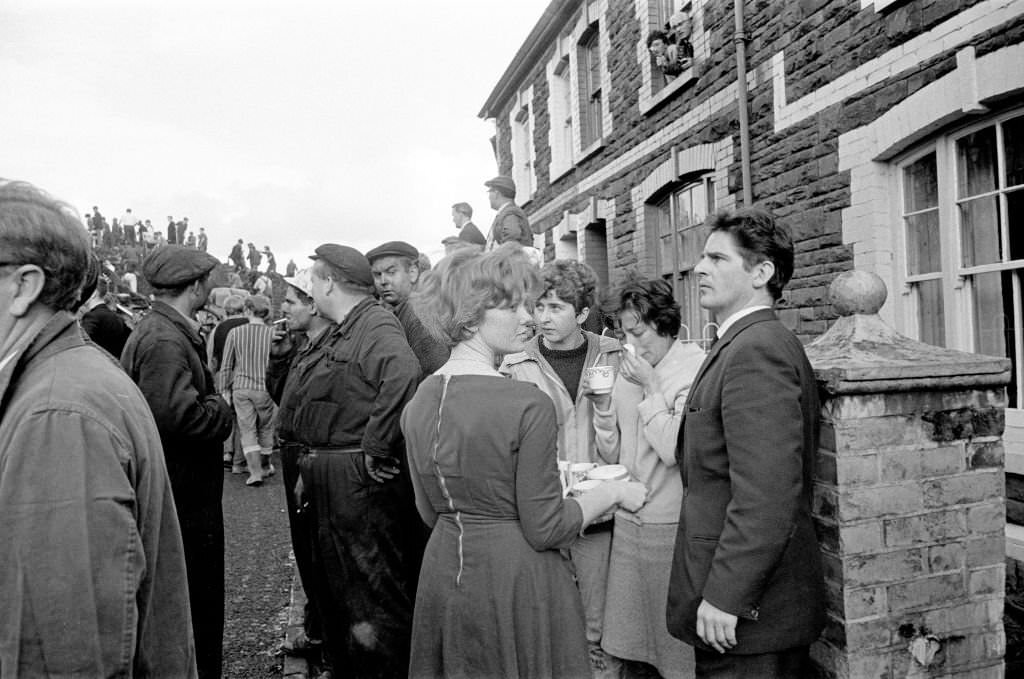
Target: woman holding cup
638 422
496 597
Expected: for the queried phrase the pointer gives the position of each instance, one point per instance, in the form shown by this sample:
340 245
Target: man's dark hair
463 208
35 228
657 35
571 281
653 302
91 282
759 238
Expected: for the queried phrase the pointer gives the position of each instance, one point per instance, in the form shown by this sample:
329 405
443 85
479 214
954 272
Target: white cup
600 378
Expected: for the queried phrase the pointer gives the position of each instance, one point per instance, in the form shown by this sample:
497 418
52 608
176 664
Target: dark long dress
496 598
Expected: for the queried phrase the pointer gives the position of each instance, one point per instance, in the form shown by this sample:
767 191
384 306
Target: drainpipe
740 39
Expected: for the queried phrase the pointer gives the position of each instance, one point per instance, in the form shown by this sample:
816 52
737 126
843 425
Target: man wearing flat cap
164 356
396 273
511 223
341 412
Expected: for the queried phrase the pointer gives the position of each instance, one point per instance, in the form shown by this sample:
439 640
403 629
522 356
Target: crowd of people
434 425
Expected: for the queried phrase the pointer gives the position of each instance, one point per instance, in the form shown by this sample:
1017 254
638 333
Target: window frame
694 317
591 93
956 278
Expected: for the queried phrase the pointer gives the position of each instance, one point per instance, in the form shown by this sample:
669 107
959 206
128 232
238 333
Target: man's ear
29 281
414 273
583 315
763 273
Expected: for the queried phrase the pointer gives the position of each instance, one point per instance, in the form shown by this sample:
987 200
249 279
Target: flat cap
503 184
171 266
301 281
350 261
393 248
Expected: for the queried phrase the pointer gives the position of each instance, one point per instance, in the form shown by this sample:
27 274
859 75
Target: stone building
889 134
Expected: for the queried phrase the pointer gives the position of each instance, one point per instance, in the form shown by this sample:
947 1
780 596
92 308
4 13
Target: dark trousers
202 533
367 546
792 663
299 524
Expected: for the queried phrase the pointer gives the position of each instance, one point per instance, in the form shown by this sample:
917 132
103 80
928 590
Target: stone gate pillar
908 498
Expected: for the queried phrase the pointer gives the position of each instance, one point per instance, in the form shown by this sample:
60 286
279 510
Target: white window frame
521 125
956 279
648 13
561 121
592 16
590 118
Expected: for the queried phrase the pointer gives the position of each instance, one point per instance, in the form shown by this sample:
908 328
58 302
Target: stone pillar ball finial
857 292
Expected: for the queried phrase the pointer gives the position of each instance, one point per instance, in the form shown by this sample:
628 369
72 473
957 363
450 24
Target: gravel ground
257 570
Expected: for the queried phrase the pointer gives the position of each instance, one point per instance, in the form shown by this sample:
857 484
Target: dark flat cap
350 261
503 184
171 266
393 248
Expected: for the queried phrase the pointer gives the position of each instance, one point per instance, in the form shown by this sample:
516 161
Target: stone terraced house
889 134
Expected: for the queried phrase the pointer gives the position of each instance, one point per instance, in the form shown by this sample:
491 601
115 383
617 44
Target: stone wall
799 46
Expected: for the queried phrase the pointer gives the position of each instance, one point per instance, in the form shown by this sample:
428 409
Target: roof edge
550 22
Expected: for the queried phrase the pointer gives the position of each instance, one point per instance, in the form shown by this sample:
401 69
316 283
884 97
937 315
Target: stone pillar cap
861 353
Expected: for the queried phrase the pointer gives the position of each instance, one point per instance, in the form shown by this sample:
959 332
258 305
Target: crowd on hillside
477 484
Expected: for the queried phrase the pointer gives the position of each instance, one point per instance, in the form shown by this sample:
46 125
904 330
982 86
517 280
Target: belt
332 450
303 449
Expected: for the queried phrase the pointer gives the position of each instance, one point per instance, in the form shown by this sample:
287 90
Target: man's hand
226 395
715 627
381 469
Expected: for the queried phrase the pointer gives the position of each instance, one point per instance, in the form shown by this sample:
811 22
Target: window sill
649 103
559 173
591 150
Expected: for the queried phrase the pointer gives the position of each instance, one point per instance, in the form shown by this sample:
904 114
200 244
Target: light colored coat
574 412
641 430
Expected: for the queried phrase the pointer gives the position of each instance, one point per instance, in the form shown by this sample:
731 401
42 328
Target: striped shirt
246 354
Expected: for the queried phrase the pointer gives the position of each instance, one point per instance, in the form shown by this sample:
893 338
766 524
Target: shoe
269 471
301 645
254 481
239 469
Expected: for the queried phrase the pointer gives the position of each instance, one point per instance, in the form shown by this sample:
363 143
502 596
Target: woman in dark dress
496 598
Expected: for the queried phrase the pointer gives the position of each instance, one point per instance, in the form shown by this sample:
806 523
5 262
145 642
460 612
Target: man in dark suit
462 216
746 588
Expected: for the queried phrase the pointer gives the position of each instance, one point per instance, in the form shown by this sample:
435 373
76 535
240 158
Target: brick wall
910 509
805 46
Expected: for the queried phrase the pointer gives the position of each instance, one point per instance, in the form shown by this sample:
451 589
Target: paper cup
584 486
600 378
609 472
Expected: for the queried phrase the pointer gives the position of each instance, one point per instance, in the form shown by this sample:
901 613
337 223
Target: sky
287 124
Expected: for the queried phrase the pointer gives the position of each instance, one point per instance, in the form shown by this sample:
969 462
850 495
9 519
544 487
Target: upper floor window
680 231
560 111
962 210
522 148
590 88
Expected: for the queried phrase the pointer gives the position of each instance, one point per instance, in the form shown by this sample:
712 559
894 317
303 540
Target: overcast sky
288 124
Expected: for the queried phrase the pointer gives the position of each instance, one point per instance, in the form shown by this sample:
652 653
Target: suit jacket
746 540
